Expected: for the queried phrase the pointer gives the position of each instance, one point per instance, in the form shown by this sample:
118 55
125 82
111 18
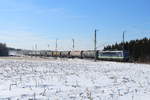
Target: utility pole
35 49
56 48
95 44
123 39
48 47
73 44
56 45
35 46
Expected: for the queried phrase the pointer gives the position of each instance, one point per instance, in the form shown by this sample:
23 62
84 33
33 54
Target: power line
35 46
48 47
56 45
73 44
123 36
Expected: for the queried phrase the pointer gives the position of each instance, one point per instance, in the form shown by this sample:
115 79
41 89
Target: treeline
3 50
139 50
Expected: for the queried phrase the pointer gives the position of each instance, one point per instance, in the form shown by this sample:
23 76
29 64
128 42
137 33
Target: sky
26 23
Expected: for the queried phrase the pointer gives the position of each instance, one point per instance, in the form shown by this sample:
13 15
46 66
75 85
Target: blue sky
24 23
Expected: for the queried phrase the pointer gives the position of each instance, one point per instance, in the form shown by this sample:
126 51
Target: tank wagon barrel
76 54
56 53
65 54
49 54
89 54
43 53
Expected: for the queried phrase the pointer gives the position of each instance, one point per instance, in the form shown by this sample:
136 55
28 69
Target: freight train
89 54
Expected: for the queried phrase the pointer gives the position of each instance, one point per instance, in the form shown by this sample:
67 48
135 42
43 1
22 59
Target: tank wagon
34 53
49 54
55 53
26 52
43 53
89 54
65 54
76 54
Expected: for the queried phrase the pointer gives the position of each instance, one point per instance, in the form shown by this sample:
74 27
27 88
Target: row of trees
3 50
139 50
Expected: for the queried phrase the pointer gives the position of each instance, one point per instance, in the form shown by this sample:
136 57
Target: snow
73 79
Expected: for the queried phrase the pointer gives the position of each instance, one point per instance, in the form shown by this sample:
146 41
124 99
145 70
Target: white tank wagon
26 52
76 54
89 54
43 53
32 53
49 54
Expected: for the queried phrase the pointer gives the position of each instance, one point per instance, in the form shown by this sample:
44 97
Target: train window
118 54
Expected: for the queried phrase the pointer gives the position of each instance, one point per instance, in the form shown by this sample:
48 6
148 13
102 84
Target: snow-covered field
73 80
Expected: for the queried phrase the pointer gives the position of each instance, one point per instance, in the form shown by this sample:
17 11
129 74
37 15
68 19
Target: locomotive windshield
118 54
